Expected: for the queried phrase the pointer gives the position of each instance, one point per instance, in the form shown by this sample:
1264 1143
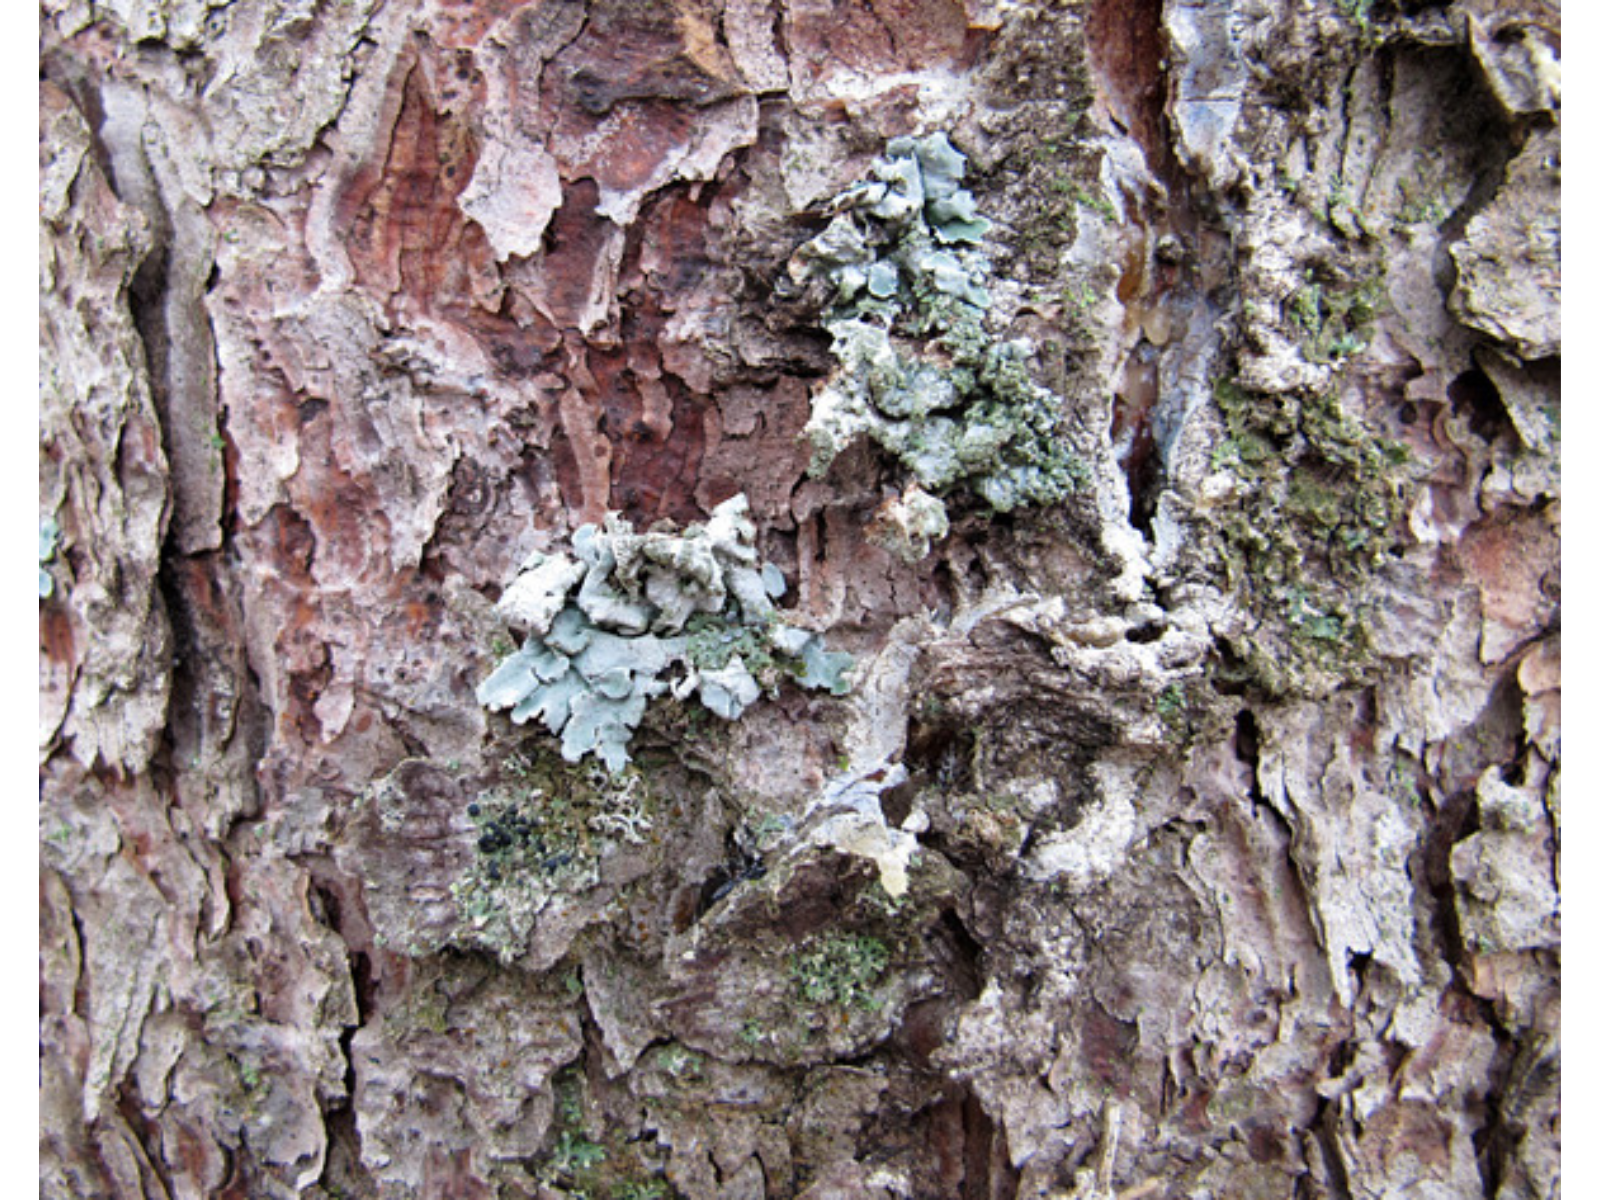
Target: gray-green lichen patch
918 374
49 537
539 837
840 971
1335 318
811 961
629 617
1317 501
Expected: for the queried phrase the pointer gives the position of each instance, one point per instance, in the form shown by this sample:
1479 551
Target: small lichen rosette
628 617
49 539
918 374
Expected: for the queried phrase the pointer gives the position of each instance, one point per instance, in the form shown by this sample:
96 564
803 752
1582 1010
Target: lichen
49 537
840 972
1335 318
918 373
630 617
1320 503
542 832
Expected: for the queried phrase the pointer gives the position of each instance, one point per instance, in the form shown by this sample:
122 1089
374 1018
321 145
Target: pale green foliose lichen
628 617
918 374
49 538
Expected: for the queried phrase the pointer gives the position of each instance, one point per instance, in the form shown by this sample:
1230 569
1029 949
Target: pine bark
1234 776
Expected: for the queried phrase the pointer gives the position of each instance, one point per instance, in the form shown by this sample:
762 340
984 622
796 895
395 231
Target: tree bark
1227 787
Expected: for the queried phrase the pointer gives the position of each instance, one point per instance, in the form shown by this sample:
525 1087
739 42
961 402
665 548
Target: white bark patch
1097 847
513 194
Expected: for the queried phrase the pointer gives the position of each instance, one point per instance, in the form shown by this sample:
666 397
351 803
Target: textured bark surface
1234 778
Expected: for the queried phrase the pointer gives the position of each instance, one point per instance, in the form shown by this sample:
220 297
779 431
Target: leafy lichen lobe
630 617
919 375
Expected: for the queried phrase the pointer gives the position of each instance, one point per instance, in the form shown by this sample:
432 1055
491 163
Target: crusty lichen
633 616
1334 317
839 971
542 832
918 374
1319 503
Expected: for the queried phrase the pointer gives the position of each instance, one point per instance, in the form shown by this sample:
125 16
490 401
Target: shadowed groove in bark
1127 48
